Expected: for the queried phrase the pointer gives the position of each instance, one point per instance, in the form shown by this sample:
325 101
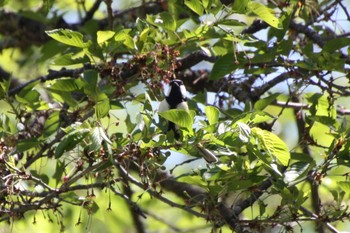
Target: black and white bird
177 99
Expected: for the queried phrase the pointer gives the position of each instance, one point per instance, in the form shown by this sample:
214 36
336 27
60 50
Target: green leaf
168 21
244 132
90 78
65 85
296 171
269 56
59 170
195 6
124 37
255 117
26 144
206 3
345 186
67 59
272 145
335 44
263 103
4 87
41 176
240 6
91 207
102 108
52 123
180 117
320 105
70 141
98 135
223 66
69 37
4 2
264 13
6 124
212 114
29 98
103 36
235 185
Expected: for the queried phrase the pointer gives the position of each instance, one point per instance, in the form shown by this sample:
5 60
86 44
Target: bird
176 98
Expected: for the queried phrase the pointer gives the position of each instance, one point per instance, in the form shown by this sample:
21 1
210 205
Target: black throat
175 97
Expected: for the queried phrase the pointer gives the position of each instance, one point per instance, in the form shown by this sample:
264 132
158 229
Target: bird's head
177 90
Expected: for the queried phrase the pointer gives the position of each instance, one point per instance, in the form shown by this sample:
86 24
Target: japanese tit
176 99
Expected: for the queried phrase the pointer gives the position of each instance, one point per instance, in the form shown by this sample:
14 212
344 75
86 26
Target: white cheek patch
169 90
183 91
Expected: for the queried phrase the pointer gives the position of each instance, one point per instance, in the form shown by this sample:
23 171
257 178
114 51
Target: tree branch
51 76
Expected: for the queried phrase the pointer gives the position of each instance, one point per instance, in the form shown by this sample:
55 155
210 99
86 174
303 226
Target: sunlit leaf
103 36
59 170
66 85
102 108
265 14
240 6
69 37
296 170
273 145
195 6
124 37
321 107
345 186
43 177
98 135
212 114
244 132
180 117
52 123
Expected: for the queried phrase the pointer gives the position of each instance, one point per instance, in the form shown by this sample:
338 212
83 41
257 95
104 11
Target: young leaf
66 85
212 114
103 36
123 36
69 37
345 186
195 6
264 13
273 145
240 6
102 108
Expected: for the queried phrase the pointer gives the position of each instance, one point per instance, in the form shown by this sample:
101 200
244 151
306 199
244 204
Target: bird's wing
163 106
182 105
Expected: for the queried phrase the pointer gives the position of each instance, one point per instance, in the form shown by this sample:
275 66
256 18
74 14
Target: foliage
80 121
